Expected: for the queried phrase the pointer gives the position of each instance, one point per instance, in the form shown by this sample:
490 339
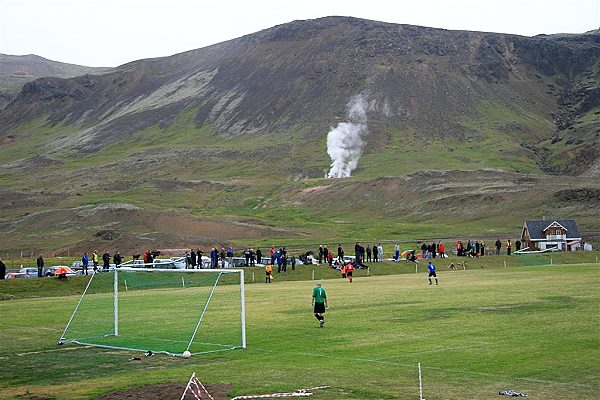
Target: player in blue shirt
431 269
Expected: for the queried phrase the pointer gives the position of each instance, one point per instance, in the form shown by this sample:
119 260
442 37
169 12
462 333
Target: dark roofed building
560 234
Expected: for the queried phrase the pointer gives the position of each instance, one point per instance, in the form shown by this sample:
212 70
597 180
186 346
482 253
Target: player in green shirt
319 303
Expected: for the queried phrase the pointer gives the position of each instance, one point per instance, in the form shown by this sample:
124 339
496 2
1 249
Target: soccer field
532 329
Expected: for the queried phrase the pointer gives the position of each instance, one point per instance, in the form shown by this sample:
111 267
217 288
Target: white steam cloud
344 142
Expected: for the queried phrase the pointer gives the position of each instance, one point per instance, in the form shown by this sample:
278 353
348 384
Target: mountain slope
15 71
238 131
301 76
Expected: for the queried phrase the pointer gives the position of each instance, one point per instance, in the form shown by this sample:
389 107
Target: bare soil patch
164 391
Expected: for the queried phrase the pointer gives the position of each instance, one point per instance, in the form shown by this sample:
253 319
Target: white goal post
169 311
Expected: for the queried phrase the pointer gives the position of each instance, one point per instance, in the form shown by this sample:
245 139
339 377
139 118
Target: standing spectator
230 257
396 252
40 265
199 255
214 258
106 261
517 245
361 250
358 253
222 257
193 260
321 254
85 261
96 260
441 249
117 259
272 253
188 260
293 261
498 246
247 257
423 250
508 247
369 259
319 303
477 248
380 252
2 269
482 247
340 252
330 258
252 258
259 255
278 259
459 249
283 259
375 253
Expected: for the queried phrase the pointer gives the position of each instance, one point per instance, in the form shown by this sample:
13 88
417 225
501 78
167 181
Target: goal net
161 310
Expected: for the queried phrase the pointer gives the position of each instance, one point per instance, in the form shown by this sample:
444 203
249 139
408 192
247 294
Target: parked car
17 275
162 263
49 271
31 271
169 263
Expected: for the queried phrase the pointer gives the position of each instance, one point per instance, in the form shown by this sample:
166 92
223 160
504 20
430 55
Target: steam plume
344 142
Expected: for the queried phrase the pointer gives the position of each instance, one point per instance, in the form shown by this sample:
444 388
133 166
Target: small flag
196 388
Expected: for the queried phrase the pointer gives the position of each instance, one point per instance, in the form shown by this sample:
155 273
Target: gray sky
113 32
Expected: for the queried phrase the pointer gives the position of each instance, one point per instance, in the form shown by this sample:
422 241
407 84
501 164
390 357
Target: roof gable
554 224
536 228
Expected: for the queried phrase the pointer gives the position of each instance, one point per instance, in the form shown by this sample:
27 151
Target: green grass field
534 329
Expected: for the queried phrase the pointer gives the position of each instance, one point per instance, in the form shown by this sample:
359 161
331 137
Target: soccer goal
169 311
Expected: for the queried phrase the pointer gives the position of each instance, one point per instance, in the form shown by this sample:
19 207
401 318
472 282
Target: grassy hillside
531 329
165 176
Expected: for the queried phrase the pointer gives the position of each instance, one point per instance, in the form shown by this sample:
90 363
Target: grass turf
533 329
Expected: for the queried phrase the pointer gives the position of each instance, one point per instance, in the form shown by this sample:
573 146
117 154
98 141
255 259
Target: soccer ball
186 354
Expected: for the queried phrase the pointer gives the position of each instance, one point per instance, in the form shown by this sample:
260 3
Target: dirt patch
164 391
35 396
585 196
10 199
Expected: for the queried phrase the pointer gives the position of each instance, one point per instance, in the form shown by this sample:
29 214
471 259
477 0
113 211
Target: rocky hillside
301 75
239 130
16 71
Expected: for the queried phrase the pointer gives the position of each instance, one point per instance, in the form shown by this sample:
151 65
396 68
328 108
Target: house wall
549 245
526 240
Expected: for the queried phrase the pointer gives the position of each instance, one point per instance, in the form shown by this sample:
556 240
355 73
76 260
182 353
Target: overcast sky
113 32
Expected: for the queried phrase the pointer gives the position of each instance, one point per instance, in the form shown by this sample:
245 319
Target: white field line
29 353
454 371
37 327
